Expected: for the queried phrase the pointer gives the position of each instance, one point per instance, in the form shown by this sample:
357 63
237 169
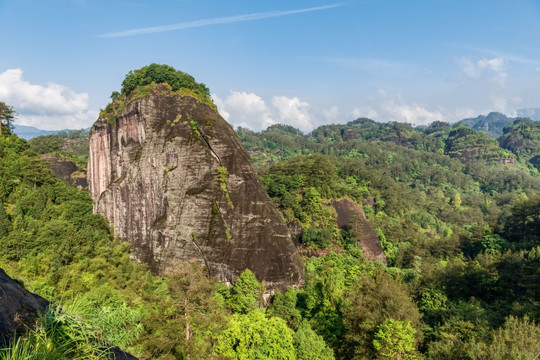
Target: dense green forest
457 214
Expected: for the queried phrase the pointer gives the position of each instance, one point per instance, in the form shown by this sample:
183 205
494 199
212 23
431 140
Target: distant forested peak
282 128
492 123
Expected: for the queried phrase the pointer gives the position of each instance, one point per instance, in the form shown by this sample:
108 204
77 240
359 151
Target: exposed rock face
66 170
351 217
173 178
19 308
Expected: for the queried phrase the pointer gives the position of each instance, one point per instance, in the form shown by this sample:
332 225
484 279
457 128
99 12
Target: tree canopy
7 115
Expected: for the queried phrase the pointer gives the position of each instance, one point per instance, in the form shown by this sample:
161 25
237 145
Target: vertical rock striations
173 178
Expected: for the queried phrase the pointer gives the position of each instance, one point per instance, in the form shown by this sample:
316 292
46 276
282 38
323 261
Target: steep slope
173 178
351 217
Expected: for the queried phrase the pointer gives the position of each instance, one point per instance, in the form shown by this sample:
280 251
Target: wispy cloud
216 21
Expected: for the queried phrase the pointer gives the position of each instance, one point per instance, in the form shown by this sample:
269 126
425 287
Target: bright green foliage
140 83
309 345
72 145
162 74
518 339
323 296
245 294
51 239
395 340
223 177
255 337
58 335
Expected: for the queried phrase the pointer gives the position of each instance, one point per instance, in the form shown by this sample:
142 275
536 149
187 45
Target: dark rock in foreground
19 308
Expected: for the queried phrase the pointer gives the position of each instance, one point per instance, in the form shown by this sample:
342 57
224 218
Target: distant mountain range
492 124
29 132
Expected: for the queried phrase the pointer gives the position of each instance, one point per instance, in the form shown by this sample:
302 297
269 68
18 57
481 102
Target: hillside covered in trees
456 212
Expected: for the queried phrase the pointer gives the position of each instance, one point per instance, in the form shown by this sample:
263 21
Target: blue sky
303 63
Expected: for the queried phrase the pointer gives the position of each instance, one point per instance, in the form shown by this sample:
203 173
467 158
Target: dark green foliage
460 232
372 301
309 345
7 115
467 145
285 307
522 226
185 316
50 238
522 137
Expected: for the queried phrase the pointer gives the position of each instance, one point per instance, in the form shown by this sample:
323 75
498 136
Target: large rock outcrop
66 170
351 217
19 309
173 178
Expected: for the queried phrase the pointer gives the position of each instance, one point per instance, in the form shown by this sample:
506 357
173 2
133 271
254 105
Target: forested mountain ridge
492 123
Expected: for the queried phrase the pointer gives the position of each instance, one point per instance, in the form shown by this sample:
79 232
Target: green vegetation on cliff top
139 84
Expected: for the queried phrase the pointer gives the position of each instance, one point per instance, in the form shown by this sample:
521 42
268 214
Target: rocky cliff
173 178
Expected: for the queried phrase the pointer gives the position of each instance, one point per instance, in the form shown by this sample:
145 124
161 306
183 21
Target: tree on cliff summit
7 114
160 74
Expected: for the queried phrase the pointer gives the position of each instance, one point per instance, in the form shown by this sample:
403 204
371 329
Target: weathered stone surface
66 170
154 175
351 217
19 309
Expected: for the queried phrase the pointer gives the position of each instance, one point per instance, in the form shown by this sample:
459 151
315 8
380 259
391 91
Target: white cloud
331 113
52 106
249 110
364 112
413 113
293 111
216 21
245 109
476 71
